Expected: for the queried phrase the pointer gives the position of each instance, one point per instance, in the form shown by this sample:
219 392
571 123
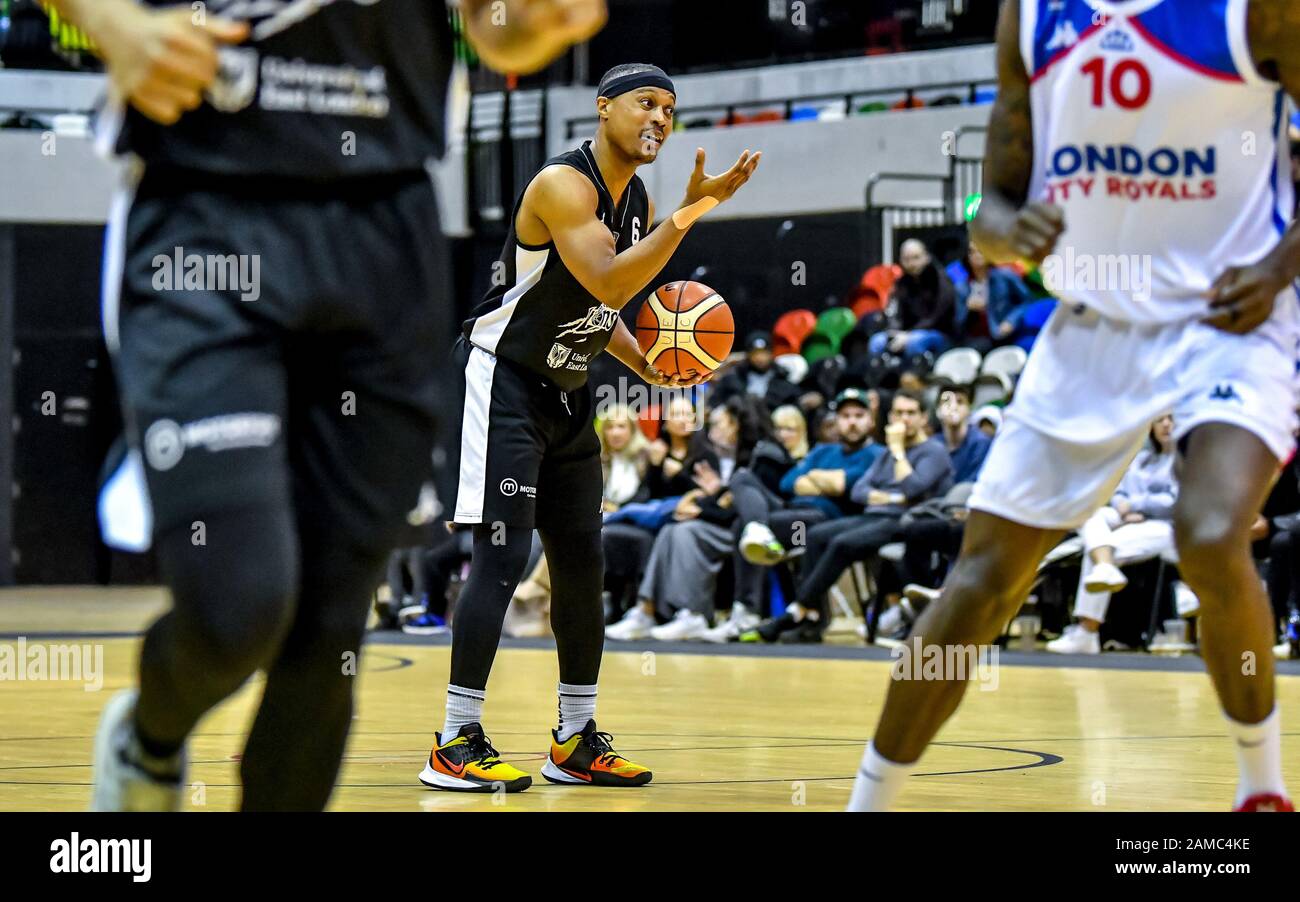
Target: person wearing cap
816 489
756 376
915 469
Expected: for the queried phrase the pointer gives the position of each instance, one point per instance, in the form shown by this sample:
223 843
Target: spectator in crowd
967 446
628 535
916 469
623 452
988 419
756 376
680 576
817 489
1136 526
991 300
921 315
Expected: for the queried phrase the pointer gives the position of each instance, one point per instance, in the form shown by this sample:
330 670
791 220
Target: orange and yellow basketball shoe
468 763
588 758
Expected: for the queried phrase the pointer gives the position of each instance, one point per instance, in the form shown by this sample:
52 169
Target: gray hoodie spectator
931 476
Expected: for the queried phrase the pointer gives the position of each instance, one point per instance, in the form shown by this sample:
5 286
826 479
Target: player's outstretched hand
161 60
720 187
1242 298
1034 232
656 376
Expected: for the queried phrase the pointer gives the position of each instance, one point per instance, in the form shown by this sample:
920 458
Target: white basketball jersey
1163 144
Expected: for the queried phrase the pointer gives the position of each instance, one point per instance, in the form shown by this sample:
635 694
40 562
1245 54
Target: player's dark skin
560 206
1226 472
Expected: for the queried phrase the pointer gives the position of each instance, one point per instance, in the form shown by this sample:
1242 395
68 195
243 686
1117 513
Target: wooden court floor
721 732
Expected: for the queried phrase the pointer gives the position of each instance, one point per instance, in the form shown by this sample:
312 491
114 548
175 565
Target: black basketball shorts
527 454
276 344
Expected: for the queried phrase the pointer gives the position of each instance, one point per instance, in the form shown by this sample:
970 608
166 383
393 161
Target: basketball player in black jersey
285 421
580 247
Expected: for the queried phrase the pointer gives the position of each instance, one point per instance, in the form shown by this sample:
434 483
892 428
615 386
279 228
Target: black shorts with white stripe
275 344
526 455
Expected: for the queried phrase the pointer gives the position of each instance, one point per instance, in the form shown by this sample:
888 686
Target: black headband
625 83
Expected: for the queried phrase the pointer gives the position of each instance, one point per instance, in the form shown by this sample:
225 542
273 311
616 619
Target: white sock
878 782
1259 756
463 706
577 706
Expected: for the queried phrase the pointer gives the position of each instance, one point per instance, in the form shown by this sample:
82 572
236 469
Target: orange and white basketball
685 329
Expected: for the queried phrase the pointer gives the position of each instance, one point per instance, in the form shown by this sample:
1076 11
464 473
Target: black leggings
303 625
577 619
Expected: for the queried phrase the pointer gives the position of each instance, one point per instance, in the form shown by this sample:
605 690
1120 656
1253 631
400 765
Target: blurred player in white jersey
1137 153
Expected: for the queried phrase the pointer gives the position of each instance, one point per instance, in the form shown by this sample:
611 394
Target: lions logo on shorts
558 355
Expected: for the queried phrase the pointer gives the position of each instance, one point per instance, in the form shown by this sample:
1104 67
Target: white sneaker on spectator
917 592
758 545
891 620
1076 641
1105 578
741 620
1185 600
684 626
636 624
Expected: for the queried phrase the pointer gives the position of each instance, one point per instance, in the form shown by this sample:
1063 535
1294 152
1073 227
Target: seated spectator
623 450
756 376
921 315
628 534
817 489
916 469
680 576
1136 526
967 446
991 302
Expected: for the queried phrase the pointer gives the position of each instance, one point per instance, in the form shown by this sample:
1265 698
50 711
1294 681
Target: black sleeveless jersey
539 315
321 89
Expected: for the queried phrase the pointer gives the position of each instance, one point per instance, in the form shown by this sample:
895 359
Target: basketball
685 329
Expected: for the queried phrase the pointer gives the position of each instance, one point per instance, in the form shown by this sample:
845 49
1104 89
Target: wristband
686 216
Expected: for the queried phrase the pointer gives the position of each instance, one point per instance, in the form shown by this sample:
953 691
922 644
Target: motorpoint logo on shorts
165 441
510 487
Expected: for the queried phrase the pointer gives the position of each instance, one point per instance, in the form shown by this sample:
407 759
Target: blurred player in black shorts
274 299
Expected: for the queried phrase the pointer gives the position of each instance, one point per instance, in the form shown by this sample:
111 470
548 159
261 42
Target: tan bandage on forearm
686 216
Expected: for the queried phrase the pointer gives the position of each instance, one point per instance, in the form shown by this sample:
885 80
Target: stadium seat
877 282
1007 361
960 365
792 328
803 113
836 322
819 346
991 388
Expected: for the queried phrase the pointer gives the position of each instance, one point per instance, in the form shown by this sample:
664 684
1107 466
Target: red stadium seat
791 329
